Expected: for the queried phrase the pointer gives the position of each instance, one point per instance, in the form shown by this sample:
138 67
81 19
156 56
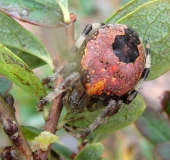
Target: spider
108 67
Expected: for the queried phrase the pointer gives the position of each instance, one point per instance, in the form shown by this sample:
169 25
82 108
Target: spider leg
51 78
144 75
67 83
69 68
112 108
90 27
86 31
71 130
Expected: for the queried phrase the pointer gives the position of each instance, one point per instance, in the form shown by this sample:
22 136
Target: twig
56 108
50 125
20 149
69 28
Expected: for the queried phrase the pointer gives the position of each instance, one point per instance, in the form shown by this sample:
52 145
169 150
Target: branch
50 124
69 28
56 108
20 149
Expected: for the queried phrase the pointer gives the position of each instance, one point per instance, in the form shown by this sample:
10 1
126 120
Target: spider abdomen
113 59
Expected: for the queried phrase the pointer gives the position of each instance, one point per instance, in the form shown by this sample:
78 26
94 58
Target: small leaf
163 150
151 22
5 85
126 115
18 72
45 139
165 102
154 126
30 132
22 42
44 13
91 152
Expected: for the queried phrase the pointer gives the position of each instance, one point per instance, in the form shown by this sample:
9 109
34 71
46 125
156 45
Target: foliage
151 23
21 51
156 127
127 115
17 71
93 151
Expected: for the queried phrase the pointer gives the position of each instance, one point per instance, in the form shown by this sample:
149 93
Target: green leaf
151 22
64 2
146 149
64 7
62 150
50 3
5 85
22 42
44 13
91 152
128 8
162 150
18 72
154 126
126 115
30 132
165 102
31 60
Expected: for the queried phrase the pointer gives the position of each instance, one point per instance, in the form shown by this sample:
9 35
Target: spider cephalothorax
109 65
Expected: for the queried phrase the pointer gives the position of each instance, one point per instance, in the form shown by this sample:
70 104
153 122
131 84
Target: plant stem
69 28
11 128
51 123
56 108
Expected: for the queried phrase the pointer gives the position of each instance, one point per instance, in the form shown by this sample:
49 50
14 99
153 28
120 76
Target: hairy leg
112 108
66 84
66 70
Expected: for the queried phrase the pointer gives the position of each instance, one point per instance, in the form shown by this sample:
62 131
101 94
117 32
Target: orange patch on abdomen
95 88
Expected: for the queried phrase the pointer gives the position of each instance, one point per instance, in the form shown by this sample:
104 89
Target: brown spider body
108 67
106 74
